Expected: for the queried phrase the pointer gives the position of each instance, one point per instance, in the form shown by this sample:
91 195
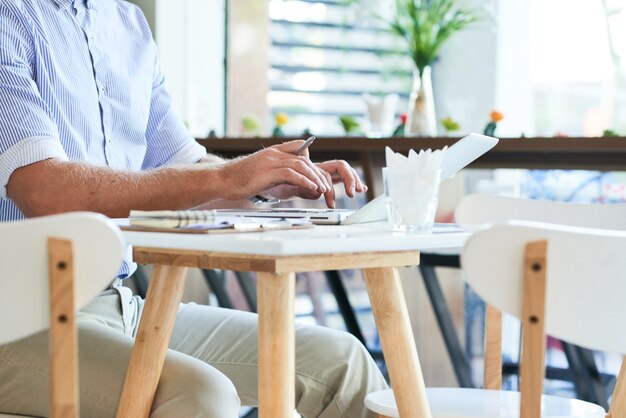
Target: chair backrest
98 249
484 208
566 281
586 278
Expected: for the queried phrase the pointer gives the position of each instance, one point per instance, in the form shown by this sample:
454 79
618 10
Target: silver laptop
459 155
316 216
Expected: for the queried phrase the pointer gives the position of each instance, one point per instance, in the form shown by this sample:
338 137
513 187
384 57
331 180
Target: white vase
421 118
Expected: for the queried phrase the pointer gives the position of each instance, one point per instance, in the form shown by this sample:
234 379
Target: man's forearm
212 160
53 186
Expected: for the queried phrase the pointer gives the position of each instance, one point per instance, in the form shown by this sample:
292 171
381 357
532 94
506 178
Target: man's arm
212 159
335 171
54 186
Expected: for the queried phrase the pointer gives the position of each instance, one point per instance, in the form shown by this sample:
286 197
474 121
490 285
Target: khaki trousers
210 369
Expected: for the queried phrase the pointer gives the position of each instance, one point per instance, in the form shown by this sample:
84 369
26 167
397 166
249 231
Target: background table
604 153
277 256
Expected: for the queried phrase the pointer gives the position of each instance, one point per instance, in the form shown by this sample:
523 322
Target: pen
306 145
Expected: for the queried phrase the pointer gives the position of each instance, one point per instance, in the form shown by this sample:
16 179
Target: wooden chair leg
396 336
493 349
153 336
63 340
532 361
277 370
618 401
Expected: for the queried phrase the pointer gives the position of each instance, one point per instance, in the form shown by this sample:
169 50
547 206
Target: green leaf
426 24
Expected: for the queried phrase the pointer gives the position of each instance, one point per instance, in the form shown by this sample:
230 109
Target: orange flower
496 116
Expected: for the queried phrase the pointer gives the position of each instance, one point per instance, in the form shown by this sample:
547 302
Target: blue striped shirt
80 81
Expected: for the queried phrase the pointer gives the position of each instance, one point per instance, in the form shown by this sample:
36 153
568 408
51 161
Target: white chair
483 208
49 267
540 274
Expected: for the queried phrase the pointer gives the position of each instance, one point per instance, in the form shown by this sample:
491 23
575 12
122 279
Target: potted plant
425 25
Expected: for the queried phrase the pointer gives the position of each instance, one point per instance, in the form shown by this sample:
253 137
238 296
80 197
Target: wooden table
602 154
277 256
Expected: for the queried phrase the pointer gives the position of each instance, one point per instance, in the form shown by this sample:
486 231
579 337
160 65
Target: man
87 124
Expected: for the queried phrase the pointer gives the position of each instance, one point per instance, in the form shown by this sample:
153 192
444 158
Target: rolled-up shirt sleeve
168 140
27 131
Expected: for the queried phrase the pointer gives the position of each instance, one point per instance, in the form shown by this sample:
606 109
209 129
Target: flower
281 119
403 118
496 116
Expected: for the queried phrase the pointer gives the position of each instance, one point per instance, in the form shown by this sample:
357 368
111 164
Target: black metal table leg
248 287
217 282
598 386
460 364
343 303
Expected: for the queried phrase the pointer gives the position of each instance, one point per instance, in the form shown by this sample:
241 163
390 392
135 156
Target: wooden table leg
277 393
155 329
394 328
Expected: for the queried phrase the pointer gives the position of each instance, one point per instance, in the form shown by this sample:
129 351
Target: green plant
250 124
450 125
426 24
609 132
349 124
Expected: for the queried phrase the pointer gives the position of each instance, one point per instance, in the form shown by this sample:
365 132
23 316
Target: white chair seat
464 403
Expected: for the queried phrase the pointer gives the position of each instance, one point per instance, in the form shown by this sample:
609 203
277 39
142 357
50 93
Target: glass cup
411 202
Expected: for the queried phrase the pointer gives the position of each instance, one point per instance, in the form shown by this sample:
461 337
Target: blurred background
527 68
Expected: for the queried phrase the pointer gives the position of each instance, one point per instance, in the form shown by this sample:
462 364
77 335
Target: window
568 75
324 55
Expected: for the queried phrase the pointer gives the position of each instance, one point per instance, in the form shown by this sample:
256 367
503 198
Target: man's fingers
291 147
293 177
306 168
346 175
328 179
360 186
329 196
283 152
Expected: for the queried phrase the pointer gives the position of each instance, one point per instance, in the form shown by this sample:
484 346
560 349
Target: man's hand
336 171
341 172
276 165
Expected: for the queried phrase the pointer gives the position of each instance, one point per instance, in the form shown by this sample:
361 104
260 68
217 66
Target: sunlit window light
309 81
297 11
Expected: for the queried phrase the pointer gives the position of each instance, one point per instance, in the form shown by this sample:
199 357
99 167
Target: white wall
190 35
513 86
464 76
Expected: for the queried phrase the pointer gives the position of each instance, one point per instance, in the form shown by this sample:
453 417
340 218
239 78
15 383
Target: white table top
371 237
